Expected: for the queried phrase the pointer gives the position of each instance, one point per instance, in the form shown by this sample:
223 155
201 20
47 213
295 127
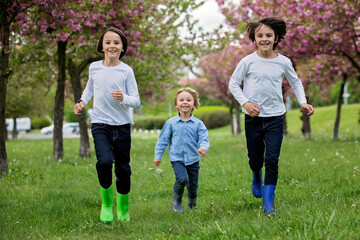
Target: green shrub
213 116
38 123
149 122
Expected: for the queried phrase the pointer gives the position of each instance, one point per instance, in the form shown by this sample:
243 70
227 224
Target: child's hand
157 162
202 151
252 109
118 95
79 107
307 108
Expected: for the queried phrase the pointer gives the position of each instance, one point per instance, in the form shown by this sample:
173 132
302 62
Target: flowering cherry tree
315 29
218 68
9 10
72 24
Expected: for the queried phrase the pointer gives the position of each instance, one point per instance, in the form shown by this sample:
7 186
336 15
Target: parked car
68 128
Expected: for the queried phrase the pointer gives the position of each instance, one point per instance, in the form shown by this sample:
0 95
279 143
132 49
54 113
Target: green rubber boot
106 215
123 207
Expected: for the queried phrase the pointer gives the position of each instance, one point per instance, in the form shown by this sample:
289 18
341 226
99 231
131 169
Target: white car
68 128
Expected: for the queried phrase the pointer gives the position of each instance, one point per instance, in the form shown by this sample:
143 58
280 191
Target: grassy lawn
317 197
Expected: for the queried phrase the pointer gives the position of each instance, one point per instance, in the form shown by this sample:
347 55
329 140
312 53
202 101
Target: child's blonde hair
193 93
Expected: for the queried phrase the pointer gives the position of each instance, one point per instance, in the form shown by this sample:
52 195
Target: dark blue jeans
186 176
264 137
112 144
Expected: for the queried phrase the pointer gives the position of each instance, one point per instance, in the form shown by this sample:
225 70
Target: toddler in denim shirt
188 139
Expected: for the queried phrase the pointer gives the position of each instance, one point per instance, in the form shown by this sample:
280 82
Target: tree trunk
306 130
285 132
75 73
338 111
238 122
59 103
4 76
232 120
14 132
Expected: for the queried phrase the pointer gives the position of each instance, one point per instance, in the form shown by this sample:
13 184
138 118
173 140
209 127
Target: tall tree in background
29 78
54 22
154 58
315 28
218 69
9 10
322 72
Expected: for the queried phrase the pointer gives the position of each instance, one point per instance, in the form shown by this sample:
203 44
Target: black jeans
264 135
113 143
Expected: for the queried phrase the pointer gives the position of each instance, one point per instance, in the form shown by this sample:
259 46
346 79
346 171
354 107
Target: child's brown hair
275 23
193 93
99 47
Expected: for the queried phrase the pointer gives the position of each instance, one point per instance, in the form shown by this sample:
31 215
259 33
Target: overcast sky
209 15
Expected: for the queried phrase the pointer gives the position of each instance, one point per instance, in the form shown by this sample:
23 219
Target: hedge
212 116
38 123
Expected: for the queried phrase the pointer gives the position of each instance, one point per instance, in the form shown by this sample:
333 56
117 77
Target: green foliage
213 116
317 195
38 122
149 122
323 121
69 114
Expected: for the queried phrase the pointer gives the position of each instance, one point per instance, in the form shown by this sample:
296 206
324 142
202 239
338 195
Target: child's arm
235 81
163 141
86 95
203 140
157 162
252 109
307 108
202 151
130 96
79 107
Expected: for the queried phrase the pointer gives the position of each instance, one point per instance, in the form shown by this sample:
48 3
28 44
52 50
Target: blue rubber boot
268 198
257 184
177 203
106 215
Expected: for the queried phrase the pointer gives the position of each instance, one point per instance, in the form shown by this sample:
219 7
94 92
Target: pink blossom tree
315 28
9 10
72 25
218 69
58 22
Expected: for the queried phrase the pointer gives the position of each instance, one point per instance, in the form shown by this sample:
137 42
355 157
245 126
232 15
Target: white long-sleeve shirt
101 83
262 83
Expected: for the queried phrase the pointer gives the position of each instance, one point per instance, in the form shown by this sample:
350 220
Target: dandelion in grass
160 172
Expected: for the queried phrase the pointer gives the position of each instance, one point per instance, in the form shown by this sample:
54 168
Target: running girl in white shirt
262 73
112 84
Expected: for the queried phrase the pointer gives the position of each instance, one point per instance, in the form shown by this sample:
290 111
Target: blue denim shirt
183 138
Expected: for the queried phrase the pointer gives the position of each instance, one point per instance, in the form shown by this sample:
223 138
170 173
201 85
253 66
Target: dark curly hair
275 23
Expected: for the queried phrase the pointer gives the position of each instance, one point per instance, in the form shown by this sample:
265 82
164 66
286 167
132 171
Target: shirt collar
178 118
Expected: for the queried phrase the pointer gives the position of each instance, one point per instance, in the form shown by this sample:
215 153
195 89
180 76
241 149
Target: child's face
185 102
264 38
112 45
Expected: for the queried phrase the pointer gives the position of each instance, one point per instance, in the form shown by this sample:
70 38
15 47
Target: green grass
317 197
